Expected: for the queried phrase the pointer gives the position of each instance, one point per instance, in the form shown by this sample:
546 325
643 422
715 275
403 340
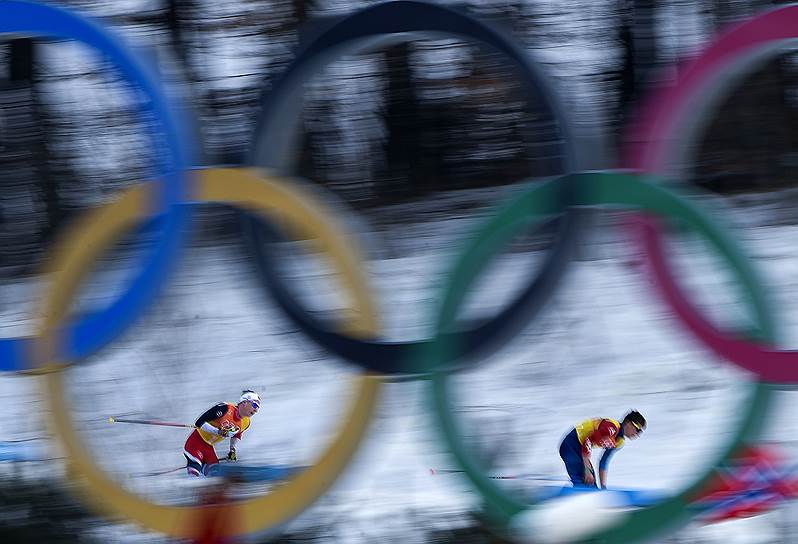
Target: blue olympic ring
92 332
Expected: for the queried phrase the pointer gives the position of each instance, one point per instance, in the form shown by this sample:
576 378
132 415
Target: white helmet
249 396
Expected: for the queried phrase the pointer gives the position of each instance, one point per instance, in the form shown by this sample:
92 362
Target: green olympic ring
535 204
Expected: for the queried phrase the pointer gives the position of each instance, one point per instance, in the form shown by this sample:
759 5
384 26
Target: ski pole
530 476
149 422
157 472
165 471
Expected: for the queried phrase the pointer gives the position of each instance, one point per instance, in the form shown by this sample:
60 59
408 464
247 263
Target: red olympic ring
650 148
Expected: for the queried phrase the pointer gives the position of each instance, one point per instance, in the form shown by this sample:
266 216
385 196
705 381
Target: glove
228 432
231 455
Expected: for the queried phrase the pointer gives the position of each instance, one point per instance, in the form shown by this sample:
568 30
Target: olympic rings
281 109
56 344
269 197
592 189
90 334
677 109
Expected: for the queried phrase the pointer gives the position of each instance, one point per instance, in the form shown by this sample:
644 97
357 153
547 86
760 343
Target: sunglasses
255 405
637 426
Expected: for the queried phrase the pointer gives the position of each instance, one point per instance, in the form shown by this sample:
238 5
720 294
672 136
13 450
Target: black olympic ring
277 126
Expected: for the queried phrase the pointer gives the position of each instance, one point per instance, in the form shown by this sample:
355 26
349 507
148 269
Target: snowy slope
604 345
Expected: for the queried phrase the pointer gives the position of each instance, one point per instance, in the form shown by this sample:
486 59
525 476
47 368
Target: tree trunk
401 123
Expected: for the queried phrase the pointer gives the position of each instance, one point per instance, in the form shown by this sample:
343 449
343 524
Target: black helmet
635 418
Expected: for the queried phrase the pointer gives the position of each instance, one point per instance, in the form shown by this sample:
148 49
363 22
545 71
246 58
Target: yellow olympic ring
268 196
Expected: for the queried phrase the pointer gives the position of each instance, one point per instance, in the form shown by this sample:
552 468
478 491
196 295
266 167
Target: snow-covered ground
605 344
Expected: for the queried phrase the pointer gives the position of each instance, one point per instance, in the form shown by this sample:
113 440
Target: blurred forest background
391 126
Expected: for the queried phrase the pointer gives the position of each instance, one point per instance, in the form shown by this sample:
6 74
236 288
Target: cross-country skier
225 420
602 432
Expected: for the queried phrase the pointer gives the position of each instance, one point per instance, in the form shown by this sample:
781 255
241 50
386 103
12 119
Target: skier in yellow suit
225 420
605 433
